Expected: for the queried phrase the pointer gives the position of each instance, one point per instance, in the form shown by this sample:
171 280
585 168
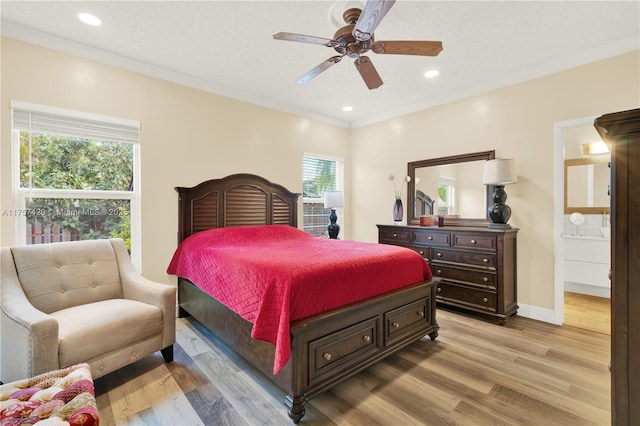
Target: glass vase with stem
398 209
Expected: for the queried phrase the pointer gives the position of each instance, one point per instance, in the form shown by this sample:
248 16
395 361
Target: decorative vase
398 211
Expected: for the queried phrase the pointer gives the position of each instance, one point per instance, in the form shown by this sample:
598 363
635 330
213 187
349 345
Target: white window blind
320 174
41 119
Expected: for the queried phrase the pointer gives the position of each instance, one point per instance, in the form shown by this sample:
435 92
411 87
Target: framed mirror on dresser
474 267
462 175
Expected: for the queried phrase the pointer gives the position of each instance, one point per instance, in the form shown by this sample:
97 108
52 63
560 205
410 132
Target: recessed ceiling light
431 73
89 19
347 108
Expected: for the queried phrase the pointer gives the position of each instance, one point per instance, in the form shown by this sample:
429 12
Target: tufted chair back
60 276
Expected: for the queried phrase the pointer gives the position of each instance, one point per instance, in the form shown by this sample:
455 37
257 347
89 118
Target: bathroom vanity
586 265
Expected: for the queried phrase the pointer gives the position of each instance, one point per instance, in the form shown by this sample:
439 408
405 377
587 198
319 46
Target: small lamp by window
499 172
332 200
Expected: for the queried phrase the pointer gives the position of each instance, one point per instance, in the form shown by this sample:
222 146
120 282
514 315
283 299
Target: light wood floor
475 373
587 312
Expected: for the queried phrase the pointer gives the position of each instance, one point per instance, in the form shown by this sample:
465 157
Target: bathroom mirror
586 185
469 198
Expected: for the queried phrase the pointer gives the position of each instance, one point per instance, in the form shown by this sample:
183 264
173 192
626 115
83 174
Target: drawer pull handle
367 338
395 325
485 279
420 314
485 300
327 356
473 241
430 237
485 260
439 289
439 254
395 235
439 271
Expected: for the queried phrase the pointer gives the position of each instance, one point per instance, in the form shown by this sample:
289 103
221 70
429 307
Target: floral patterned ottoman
61 397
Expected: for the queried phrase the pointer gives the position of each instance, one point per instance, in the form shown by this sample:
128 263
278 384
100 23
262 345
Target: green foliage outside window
68 163
442 192
322 177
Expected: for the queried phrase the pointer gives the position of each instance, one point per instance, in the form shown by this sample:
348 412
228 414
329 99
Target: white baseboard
537 313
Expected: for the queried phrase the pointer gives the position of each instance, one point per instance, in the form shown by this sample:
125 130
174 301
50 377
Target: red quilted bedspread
272 275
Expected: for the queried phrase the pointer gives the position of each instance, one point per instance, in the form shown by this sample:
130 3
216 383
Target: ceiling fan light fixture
338 7
431 73
356 38
89 19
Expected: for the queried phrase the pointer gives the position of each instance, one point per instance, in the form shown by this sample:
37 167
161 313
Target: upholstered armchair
81 301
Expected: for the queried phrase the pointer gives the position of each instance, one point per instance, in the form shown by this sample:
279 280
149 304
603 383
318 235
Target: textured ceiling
226 47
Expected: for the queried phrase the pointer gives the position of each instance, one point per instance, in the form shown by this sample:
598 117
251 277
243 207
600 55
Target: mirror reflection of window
446 195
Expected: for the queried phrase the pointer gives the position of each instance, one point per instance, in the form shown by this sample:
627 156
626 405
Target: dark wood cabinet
622 132
474 268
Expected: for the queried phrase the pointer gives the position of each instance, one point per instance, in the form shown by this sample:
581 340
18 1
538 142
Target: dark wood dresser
474 268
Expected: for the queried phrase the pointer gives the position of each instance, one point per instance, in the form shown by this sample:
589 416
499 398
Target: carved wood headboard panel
236 200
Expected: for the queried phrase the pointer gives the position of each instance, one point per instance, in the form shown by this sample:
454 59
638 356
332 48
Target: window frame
20 195
339 186
450 184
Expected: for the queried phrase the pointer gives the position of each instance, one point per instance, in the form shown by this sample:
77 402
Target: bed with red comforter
307 312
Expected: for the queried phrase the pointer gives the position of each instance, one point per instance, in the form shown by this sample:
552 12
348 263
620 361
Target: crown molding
31 36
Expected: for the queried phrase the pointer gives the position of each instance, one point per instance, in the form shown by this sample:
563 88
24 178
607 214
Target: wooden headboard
236 200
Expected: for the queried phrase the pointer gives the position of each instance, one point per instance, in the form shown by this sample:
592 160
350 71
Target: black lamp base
333 229
499 212
499 226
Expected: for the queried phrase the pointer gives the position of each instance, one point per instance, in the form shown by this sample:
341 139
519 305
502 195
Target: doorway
582 290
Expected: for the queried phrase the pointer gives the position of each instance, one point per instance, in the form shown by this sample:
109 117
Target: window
319 175
446 195
76 177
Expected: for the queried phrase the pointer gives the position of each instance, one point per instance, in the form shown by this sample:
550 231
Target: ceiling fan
356 38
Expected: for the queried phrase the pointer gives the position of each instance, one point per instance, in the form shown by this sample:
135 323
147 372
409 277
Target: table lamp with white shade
499 172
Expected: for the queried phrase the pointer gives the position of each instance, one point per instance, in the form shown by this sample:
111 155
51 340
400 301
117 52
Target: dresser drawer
425 252
340 350
461 295
466 257
406 319
476 241
395 236
430 238
485 279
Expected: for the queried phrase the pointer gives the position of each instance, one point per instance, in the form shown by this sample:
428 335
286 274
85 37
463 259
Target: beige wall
518 122
187 135
190 135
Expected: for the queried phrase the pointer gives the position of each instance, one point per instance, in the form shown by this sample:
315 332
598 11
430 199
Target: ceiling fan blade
317 70
368 72
370 17
422 48
301 38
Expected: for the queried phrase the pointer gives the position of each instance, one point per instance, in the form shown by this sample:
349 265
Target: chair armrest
137 287
29 337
